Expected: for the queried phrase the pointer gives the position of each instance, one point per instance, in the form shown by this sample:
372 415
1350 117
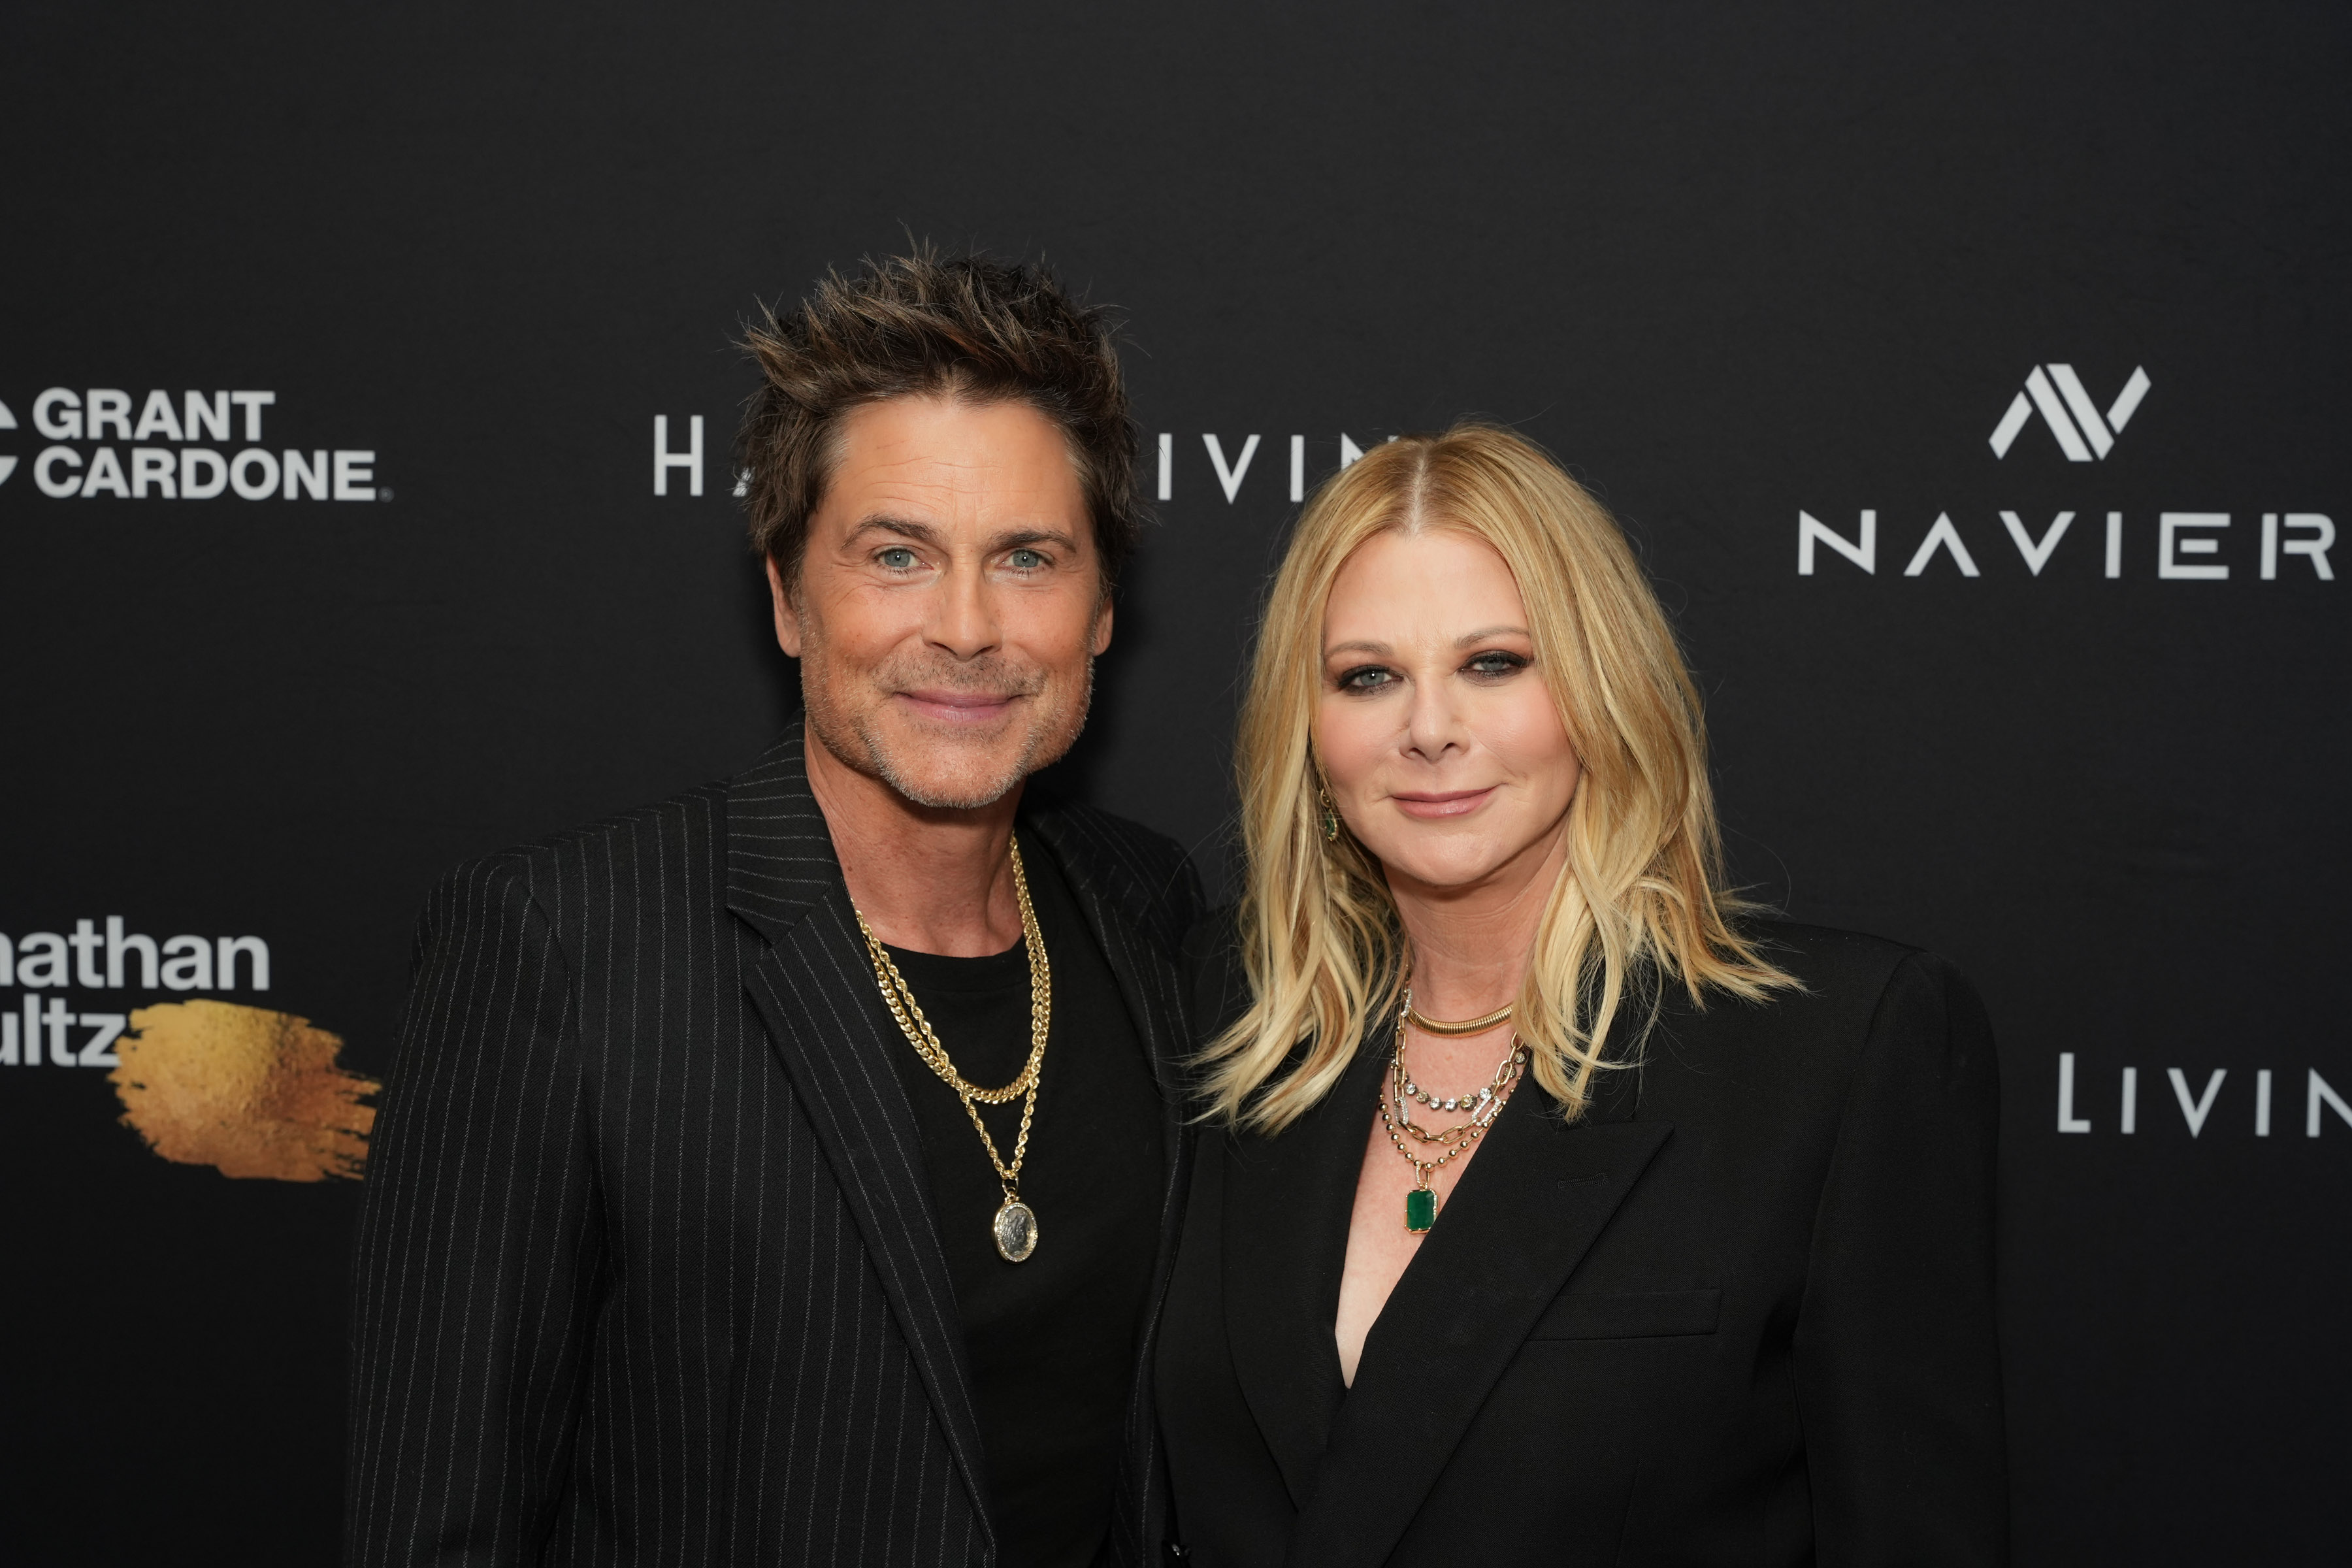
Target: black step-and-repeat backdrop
1975 381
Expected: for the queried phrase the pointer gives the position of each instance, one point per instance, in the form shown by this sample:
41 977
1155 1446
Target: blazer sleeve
1898 1364
475 1275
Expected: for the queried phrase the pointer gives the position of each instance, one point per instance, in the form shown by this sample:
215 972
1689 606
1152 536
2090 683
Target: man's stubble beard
854 738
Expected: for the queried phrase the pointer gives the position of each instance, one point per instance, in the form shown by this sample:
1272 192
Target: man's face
949 603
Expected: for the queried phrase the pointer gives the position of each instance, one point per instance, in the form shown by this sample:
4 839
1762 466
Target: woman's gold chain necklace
1421 1203
1428 1025
1015 1225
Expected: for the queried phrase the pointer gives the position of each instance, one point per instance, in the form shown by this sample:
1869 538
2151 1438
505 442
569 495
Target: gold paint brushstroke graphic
244 1089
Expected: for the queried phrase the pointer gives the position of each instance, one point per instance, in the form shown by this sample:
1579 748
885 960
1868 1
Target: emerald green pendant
1420 1210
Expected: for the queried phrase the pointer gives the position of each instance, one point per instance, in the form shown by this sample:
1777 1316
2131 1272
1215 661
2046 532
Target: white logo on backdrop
1231 466
2189 546
2057 394
48 965
165 451
2197 1104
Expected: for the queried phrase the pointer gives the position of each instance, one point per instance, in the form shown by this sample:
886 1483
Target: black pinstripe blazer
647 1271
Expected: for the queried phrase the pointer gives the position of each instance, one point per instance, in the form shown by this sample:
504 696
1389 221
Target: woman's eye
1493 664
1367 677
898 558
1026 560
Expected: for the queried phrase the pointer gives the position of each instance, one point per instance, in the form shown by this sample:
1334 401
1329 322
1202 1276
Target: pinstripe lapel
815 992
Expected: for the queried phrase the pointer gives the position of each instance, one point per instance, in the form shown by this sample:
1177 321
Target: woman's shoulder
1839 969
1839 974
1214 981
1850 991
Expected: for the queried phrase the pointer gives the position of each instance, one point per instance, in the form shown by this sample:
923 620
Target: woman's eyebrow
1485 633
1373 647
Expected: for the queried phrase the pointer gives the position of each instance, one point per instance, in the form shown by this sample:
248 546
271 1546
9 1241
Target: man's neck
926 879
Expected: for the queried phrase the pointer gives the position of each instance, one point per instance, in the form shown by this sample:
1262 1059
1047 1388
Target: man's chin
952 789
949 767
954 771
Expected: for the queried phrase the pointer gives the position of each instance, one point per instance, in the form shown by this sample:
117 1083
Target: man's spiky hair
963 326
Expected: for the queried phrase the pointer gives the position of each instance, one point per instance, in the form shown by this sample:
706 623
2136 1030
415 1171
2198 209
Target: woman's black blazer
1740 1313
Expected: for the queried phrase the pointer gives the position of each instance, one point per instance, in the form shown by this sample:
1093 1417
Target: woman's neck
1471 944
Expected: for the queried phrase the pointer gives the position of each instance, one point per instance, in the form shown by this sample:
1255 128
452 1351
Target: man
785 1173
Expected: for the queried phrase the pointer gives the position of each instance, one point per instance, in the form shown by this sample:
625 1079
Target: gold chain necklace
1015 1225
1421 1203
1479 1025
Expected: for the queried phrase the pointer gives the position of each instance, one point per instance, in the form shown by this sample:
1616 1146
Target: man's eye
898 558
1026 560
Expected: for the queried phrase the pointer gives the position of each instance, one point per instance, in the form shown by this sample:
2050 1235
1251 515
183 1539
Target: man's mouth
965 709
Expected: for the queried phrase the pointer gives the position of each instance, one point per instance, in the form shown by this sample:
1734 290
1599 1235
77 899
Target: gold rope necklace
1015 1225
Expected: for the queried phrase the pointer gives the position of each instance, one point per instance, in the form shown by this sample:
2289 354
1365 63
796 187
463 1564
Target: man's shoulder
1139 866
1104 835
630 852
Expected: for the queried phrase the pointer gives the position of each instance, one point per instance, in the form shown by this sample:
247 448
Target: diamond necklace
1421 1202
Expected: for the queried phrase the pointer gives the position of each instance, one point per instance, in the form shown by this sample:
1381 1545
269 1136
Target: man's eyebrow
1015 539
905 528
925 533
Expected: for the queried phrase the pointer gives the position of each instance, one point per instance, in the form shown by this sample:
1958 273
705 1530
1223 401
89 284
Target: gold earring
1330 817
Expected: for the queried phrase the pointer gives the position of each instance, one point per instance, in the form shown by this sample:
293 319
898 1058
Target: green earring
1330 817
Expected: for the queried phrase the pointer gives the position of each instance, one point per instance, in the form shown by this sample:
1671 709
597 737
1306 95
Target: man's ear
1102 629
788 619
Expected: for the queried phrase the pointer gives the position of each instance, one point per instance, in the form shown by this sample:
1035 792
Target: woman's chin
1438 874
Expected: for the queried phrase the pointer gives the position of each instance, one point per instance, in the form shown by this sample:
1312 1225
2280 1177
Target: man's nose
963 616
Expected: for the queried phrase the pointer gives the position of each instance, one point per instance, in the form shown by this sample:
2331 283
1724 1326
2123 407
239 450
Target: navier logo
2056 392
2189 546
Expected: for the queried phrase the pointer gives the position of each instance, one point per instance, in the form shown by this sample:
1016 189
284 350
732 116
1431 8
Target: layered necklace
1481 1108
1015 1225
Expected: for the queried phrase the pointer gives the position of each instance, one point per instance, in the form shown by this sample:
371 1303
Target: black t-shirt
1052 1341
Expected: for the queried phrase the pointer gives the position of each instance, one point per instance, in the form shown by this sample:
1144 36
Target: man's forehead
948 464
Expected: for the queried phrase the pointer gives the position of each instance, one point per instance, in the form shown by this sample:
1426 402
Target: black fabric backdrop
1735 264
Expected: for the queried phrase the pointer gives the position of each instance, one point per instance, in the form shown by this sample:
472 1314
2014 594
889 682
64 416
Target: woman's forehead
1439 581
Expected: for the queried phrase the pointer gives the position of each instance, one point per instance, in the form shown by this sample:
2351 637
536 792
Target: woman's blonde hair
1641 901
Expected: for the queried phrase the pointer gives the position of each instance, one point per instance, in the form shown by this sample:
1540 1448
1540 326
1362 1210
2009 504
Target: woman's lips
968 707
1436 806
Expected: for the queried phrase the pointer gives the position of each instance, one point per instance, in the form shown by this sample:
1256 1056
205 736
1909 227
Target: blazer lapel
1284 1228
813 987
1125 919
1525 1213
1139 928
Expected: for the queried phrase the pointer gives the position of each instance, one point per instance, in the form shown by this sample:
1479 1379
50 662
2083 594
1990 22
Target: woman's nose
1433 725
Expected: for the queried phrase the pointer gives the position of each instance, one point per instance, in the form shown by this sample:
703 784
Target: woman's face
1438 737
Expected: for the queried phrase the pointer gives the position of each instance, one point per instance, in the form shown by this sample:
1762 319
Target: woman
1661 1233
